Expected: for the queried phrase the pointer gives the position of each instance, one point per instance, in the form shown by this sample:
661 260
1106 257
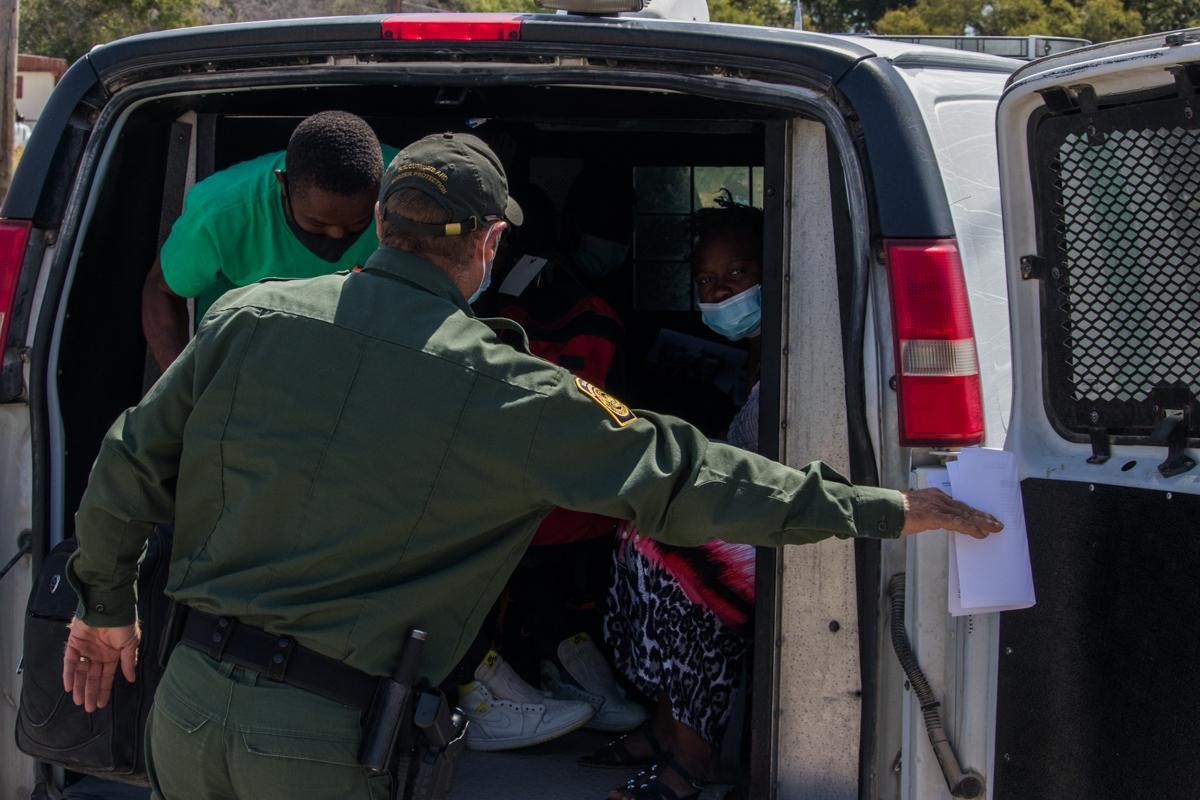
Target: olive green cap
458 171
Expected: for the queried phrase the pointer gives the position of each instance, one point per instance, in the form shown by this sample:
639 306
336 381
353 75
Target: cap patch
425 172
620 412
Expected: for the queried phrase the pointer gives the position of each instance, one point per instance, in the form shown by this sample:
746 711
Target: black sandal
649 785
616 754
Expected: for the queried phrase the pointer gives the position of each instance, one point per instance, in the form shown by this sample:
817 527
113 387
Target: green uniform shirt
233 232
353 455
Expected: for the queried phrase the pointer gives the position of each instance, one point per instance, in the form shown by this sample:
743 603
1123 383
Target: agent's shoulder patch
620 412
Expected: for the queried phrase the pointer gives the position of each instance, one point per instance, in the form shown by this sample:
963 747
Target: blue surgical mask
596 257
488 263
735 317
483 286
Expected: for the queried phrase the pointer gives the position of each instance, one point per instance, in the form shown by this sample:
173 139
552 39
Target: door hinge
1101 446
1057 100
1173 405
1078 98
1033 268
1187 81
1085 96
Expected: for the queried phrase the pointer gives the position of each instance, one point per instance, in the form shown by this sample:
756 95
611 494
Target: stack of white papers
991 574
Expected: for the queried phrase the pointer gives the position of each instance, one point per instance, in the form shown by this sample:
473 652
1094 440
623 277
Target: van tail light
453 27
938 388
14 235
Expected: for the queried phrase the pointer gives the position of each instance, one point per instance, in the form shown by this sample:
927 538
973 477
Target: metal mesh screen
1121 302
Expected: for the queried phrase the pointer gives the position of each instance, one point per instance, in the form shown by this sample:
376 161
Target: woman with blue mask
727 273
678 619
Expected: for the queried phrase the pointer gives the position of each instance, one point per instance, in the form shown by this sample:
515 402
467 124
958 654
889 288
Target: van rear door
1099 151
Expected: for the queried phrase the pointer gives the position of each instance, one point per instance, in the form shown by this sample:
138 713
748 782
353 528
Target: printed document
992 574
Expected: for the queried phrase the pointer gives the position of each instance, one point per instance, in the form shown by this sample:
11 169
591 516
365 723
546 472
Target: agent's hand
90 663
932 509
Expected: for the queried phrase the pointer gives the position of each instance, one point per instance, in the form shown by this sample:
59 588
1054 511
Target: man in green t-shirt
299 213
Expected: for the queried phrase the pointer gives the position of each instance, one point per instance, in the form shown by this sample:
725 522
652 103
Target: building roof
28 63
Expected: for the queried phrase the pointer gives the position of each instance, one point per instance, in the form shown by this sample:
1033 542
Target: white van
1091 692
875 165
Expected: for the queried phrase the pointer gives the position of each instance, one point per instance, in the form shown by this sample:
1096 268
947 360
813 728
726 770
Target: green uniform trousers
221 732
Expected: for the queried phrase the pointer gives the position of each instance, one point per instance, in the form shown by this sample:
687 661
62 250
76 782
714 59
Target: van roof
920 55
1152 41
256 42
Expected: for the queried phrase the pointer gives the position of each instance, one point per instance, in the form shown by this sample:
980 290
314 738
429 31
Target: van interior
669 152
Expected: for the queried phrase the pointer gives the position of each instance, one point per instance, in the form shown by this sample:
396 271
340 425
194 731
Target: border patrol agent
353 456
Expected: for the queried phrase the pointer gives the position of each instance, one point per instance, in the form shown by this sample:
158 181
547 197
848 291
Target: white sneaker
507 713
587 677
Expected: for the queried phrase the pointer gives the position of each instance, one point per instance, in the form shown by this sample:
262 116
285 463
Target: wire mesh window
1122 299
666 198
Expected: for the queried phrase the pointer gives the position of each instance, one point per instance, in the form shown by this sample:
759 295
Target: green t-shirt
233 232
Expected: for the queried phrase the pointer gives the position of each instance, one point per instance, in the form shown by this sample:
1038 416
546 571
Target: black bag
50 727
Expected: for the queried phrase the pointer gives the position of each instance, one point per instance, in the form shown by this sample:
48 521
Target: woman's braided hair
727 217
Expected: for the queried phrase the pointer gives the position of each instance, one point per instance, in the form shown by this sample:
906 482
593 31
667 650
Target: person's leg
591 575
574 663
287 743
705 674
535 612
630 632
630 624
662 727
185 732
700 660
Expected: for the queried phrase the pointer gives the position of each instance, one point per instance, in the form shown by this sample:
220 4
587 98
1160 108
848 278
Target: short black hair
728 217
336 152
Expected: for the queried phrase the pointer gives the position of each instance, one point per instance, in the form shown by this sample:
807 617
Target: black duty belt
278 658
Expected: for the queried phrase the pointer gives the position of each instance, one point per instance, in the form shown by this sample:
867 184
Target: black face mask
325 248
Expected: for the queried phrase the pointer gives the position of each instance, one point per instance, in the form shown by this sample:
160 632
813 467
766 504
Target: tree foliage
1167 15
843 16
1102 20
248 10
774 13
1097 20
69 28
500 5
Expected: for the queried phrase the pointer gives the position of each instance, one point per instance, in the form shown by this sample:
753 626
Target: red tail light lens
14 235
938 388
453 27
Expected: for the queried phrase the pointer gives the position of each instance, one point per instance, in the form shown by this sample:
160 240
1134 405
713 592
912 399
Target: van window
1120 310
666 198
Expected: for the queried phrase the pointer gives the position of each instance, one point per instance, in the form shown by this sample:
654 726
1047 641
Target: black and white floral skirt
664 643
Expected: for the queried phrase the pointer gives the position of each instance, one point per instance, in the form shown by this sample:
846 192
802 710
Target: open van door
1098 691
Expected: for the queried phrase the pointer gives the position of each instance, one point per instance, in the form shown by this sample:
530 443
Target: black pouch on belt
389 719
442 735
172 632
